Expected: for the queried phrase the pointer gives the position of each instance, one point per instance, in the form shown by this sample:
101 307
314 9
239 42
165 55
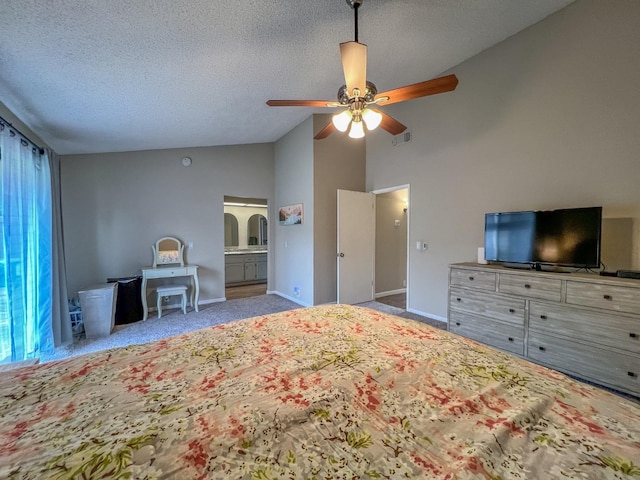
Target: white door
356 246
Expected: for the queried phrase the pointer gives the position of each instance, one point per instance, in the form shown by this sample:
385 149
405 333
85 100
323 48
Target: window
25 249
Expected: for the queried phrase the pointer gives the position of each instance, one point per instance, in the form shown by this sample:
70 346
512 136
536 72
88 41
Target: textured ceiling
115 75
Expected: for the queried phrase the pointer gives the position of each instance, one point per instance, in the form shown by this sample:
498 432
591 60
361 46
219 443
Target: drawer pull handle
526 285
471 278
511 339
458 299
543 317
608 297
458 324
511 310
632 374
633 335
542 349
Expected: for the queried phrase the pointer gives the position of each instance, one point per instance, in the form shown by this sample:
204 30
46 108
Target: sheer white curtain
26 249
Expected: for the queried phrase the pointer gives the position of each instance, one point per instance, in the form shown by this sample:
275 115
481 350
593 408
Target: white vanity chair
168 262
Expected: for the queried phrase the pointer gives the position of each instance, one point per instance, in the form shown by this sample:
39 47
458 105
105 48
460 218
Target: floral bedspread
330 392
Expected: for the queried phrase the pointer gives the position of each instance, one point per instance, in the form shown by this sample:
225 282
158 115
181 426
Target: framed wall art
291 214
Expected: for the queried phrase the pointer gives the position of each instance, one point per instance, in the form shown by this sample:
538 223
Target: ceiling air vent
404 137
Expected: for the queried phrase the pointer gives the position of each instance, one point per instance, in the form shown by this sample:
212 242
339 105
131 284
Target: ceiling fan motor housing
369 94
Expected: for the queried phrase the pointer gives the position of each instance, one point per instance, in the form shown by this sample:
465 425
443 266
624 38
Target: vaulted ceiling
116 75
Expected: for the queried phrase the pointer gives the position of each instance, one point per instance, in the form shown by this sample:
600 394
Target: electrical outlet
296 291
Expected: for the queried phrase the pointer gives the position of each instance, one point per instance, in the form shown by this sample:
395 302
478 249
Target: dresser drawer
166 272
473 279
603 366
505 337
233 258
530 286
609 297
587 325
497 307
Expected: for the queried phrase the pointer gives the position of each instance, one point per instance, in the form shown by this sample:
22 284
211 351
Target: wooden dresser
583 324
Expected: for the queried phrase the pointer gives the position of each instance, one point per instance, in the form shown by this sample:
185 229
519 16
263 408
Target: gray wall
339 163
116 205
546 119
311 171
15 121
293 244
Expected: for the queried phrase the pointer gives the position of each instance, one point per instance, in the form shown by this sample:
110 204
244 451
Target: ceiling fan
358 96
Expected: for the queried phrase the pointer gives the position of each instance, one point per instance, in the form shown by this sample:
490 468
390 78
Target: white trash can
98 306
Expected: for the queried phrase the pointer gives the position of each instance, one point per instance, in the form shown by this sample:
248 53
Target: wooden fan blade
390 124
301 103
325 132
422 89
354 65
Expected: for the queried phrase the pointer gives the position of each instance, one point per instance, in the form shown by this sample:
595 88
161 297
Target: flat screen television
567 237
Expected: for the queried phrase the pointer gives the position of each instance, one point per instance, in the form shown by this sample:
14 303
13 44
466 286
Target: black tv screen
568 237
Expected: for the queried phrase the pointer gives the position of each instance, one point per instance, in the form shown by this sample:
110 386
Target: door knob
341 255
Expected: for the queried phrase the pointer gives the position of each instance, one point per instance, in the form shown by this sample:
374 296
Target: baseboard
428 315
293 299
391 292
212 300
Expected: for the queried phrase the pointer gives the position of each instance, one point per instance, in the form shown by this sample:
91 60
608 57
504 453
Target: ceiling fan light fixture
358 93
371 118
341 120
357 130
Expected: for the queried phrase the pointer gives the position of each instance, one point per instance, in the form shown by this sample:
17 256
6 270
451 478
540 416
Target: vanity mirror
168 251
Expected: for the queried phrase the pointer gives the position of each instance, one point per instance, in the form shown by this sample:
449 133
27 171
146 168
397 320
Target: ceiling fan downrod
355 4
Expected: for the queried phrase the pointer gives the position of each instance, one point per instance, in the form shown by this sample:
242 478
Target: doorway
245 246
391 253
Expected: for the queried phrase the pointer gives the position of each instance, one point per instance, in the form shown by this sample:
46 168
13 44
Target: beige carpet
175 323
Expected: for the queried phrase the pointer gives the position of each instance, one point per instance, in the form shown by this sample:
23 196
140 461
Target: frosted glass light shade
357 130
341 120
371 118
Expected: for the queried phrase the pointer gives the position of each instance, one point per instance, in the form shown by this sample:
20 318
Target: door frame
393 189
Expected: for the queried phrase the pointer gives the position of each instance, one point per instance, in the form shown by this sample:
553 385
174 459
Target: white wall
546 119
293 244
116 205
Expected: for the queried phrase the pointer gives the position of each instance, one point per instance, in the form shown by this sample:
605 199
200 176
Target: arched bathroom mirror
230 230
257 230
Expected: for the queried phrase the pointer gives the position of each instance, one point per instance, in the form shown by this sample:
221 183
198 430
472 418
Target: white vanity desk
168 262
171 271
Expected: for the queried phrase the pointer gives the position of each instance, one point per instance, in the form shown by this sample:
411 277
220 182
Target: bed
328 392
